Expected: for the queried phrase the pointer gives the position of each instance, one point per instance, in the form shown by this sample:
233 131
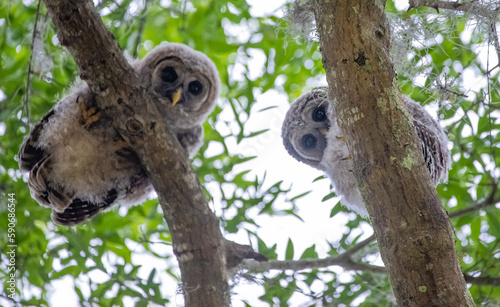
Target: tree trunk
415 236
197 240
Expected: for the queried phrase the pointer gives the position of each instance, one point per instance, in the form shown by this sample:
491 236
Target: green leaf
329 196
310 253
336 209
289 250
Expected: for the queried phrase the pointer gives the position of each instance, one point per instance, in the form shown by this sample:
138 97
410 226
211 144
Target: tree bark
415 236
197 240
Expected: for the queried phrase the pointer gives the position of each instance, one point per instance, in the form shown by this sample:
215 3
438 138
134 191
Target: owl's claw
90 114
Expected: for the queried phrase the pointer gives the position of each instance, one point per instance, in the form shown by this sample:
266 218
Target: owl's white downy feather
316 139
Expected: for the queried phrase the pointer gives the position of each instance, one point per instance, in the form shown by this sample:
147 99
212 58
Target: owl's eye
168 74
309 141
319 115
195 87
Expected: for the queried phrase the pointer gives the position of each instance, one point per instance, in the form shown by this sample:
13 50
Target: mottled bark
415 236
197 240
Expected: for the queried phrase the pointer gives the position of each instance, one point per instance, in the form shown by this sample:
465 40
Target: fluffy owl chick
311 135
79 165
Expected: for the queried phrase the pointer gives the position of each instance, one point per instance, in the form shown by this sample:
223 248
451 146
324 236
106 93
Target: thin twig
359 246
494 38
494 41
445 89
28 81
478 206
484 281
468 7
142 22
494 67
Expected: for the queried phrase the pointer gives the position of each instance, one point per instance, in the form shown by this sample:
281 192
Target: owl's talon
89 115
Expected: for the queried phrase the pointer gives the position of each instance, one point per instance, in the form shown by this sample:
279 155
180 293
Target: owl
311 135
78 163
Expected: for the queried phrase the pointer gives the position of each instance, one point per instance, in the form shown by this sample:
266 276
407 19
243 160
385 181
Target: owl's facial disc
168 79
196 90
310 142
186 89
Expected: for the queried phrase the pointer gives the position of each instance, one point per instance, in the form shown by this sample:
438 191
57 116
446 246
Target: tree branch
494 38
297 265
359 246
478 206
468 7
197 240
482 281
345 263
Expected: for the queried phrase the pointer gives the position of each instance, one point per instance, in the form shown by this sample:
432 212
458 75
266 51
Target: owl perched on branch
311 135
78 163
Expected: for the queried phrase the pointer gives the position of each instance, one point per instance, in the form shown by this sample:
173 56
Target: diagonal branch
478 206
197 240
359 246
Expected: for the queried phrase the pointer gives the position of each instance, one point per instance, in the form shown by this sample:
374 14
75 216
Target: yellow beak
349 157
176 96
323 131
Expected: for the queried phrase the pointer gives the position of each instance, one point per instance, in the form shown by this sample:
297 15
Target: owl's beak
349 157
323 131
176 96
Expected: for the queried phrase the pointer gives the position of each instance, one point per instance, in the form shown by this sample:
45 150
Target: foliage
440 59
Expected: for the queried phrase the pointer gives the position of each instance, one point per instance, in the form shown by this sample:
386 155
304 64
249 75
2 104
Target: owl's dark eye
309 141
195 87
319 115
168 74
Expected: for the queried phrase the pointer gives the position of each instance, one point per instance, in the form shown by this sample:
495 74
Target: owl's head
306 125
186 81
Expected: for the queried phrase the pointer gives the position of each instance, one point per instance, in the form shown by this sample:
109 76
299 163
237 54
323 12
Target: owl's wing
37 161
191 139
433 141
30 154
77 163
41 189
79 211
436 154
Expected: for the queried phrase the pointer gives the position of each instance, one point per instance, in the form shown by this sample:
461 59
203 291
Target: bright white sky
317 227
